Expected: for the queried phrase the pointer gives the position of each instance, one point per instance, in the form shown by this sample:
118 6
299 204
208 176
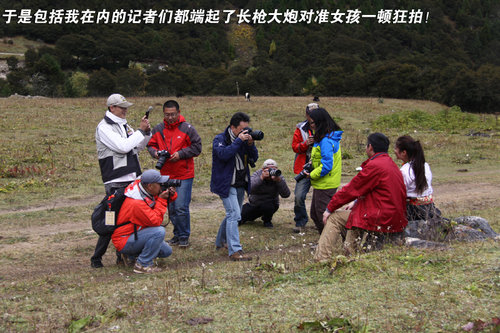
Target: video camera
163 156
307 168
256 135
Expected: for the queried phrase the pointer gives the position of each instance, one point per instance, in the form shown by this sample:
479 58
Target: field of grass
50 182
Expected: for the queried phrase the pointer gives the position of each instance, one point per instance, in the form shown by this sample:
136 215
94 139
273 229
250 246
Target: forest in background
453 58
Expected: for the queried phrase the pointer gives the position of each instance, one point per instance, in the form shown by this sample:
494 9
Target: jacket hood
335 135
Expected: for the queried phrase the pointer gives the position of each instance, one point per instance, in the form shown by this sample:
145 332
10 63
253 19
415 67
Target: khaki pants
336 239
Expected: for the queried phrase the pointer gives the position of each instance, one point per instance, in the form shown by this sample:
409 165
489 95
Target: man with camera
267 185
144 207
302 143
377 210
175 143
117 150
231 153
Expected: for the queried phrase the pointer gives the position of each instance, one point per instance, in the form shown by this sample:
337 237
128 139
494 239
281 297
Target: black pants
103 241
266 211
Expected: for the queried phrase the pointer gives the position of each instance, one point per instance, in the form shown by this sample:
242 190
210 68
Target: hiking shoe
298 230
96 264
174 241
139 269
224 246
184 243
268 224
240 256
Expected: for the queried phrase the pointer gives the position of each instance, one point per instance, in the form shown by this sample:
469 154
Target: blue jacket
223 161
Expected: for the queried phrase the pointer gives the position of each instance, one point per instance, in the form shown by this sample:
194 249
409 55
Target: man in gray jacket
267 185
117 150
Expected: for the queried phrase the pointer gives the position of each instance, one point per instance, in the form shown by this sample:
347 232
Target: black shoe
268 224
174 241
183 243
96 264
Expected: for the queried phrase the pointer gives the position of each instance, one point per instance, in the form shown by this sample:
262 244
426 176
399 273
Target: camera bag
111 203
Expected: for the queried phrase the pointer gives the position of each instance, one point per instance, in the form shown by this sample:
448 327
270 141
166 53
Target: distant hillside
451 57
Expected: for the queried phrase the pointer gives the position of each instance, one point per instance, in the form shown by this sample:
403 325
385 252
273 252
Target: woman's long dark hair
416 155
323 122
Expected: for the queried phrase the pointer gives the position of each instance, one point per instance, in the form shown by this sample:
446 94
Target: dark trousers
103 241
266 211
320 200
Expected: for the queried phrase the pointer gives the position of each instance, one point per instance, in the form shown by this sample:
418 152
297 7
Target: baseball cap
153 176
269 162
118 100
311 106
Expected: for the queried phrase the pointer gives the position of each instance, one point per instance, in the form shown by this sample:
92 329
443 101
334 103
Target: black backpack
113 203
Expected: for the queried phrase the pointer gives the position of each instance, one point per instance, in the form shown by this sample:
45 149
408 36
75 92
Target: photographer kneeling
267 185
144 207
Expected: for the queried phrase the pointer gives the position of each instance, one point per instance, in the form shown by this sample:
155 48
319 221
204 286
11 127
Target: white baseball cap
269 162
118 100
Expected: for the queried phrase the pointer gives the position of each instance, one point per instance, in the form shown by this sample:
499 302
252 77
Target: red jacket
136 209
380 193
177 137
302 132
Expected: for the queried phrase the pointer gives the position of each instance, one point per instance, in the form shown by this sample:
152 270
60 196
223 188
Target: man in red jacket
183 143
144 207
378 210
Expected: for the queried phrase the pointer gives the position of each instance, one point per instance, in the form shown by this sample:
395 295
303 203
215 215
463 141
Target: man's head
151 180
377 143
118 105
269 164
171 111
238 122
310 107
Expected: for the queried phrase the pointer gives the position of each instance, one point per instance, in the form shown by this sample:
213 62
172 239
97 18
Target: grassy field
50 182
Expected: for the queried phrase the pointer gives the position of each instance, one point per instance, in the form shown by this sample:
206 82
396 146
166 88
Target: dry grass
46 283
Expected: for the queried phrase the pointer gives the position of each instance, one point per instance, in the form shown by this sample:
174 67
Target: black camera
163 156
170 183
274 172
256 135
307 168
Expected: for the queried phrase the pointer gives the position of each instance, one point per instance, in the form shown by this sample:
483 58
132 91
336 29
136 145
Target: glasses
170 115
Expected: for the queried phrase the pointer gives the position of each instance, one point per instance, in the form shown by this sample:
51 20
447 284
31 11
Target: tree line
452 58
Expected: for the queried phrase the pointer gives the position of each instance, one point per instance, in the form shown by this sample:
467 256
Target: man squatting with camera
231 153
117 149
175 143
142 240
266 186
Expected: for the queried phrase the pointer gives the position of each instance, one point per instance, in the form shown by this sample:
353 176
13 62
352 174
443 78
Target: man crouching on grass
144 207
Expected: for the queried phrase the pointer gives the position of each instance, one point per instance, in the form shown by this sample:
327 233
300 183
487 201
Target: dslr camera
163 156
274 172
307 168
256 135
170 183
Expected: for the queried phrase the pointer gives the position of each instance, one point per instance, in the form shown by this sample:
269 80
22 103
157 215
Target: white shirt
409 179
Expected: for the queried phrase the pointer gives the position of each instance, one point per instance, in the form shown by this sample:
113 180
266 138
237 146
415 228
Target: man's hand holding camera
271 173
168 193
144 125
245 136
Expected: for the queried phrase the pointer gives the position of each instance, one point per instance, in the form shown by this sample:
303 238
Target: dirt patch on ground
53 248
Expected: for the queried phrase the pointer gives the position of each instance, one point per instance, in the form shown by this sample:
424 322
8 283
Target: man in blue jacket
231 153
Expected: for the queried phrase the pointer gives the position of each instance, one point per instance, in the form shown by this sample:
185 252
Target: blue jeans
301 189
228 230
179 210
149 245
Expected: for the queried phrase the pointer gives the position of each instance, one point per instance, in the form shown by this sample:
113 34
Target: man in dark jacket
231 152
378 210
180 139
265 190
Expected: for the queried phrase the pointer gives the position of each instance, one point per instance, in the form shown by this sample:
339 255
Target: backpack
113 203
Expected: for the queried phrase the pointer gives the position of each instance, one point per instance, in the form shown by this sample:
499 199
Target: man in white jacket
117 150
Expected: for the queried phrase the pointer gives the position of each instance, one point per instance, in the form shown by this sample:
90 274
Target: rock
477 222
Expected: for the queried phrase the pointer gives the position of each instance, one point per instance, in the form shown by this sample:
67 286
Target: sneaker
96 264
139 269
240 256
183 243
173 241
268 224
